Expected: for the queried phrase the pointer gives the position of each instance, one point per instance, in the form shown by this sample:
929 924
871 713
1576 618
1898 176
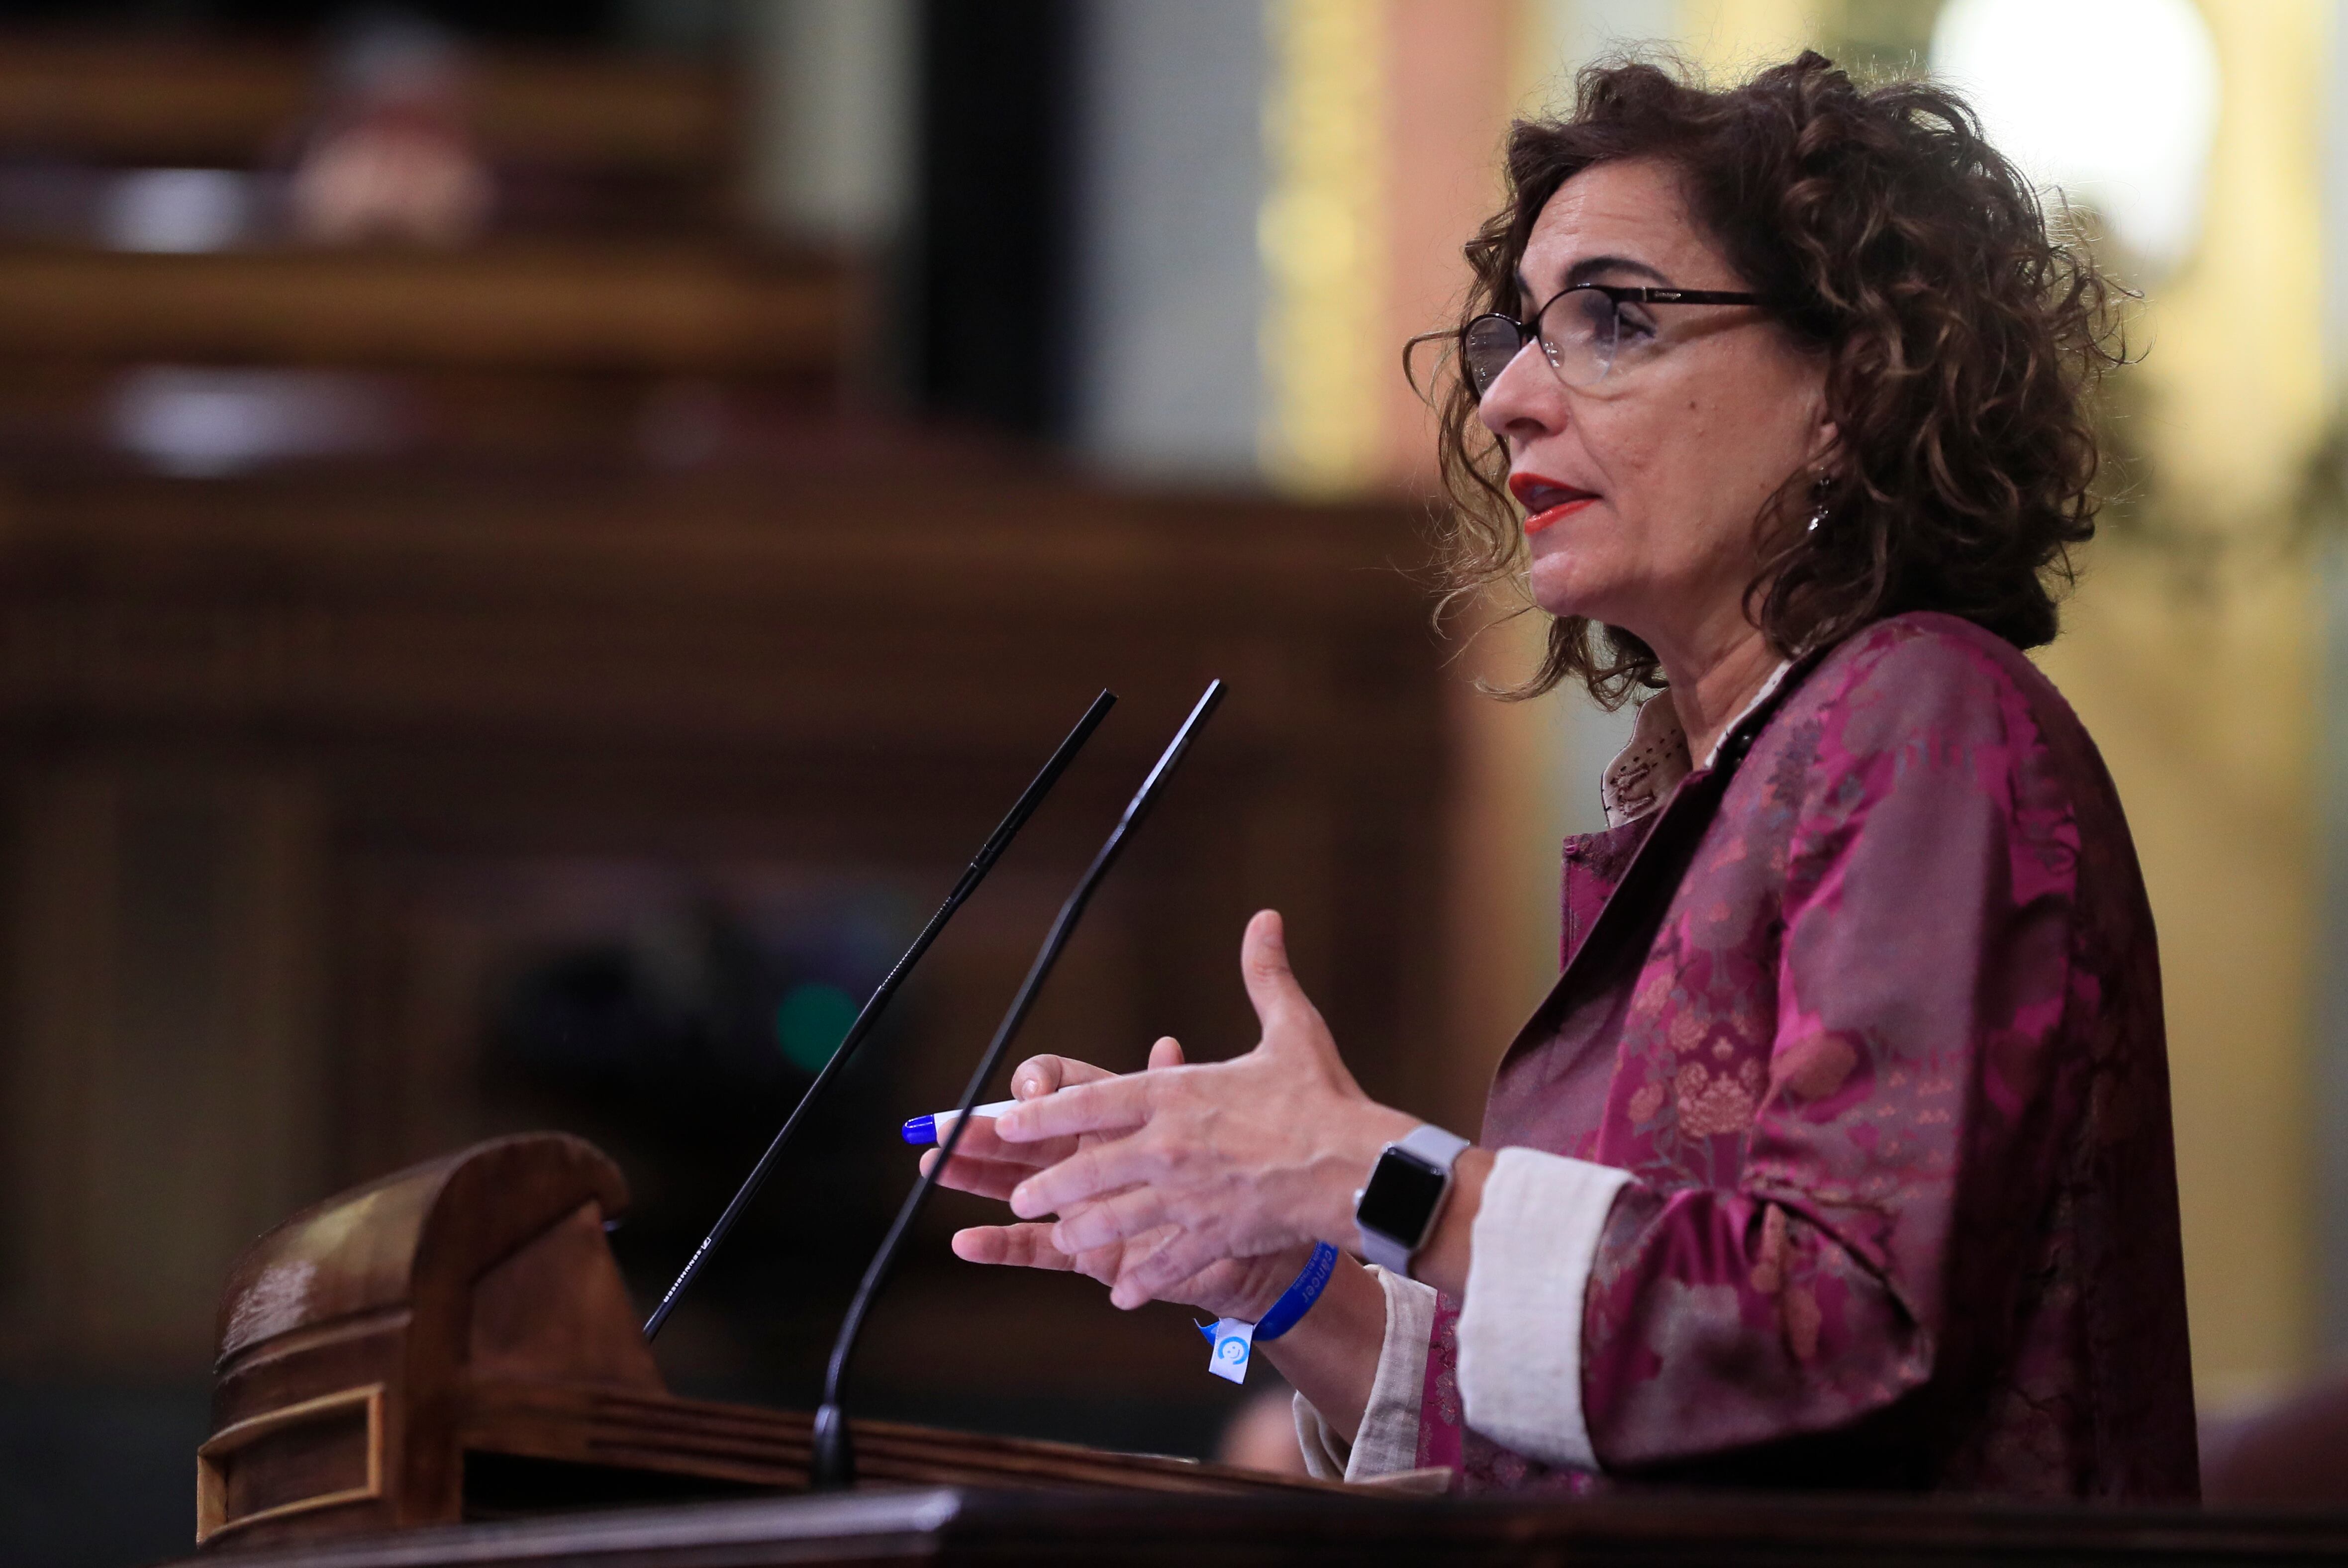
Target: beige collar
1657 758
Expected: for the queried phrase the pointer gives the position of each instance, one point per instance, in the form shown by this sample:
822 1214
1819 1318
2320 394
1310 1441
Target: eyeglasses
1582 330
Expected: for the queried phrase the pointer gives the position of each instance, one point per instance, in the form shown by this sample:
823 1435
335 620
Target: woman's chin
1561 590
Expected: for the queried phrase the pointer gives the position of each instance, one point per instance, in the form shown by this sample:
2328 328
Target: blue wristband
1297 1299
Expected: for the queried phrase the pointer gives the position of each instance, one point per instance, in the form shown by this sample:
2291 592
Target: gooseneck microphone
981 863
833 1463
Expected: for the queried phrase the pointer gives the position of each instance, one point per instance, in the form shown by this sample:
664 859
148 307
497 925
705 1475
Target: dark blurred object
994 260
639 313
95 1474
965 1525
677 1024
1261 1433
2292 1451
201 132
567 21
692 1009
395 156
613 308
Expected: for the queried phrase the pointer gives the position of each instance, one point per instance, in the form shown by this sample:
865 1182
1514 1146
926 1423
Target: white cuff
1387 1442
1520 1321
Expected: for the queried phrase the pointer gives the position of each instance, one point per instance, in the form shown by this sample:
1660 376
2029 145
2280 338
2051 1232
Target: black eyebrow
1593 267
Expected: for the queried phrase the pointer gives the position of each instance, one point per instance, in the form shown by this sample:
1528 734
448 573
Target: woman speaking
1839 1156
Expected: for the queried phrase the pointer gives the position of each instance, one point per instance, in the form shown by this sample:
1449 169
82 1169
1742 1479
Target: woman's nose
1525 400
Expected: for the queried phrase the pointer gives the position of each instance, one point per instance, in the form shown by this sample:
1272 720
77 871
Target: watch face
1401 1197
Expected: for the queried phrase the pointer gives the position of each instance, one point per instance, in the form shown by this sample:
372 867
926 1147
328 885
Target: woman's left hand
1244 1288
1242 1158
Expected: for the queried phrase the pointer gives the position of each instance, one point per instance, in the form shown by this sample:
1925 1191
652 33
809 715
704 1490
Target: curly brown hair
1962 341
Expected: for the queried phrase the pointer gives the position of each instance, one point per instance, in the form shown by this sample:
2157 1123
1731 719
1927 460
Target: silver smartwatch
1396 1209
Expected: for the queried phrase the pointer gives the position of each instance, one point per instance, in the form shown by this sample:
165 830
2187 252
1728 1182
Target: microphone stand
832 1465
974 873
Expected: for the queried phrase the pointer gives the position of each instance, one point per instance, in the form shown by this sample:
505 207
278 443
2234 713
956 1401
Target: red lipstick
1547 501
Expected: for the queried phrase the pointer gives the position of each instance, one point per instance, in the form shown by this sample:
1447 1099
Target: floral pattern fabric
1885 1061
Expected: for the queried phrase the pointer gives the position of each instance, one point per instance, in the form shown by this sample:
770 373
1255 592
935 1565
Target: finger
1102 1263
1039 1076
1123 1294
1109 1106
1280 1005
1161 1271
981 1178
1013 1246
1086 1176
1029 1157
1117 1217
1165 1053
979 1140
1137 1282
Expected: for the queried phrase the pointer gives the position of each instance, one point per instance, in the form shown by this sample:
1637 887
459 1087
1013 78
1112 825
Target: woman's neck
1708 692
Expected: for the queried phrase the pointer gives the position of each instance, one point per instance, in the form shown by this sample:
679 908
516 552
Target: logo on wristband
1234 1343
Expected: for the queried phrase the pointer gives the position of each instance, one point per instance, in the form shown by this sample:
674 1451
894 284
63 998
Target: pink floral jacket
1870 1011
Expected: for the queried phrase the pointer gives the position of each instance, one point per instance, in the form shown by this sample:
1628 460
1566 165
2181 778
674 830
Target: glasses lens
1485 348
1578 332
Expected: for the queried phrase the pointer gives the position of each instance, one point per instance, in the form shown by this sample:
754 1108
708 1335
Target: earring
1818 507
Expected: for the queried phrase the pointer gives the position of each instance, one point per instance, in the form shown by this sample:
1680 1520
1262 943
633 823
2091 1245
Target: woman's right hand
1241 1288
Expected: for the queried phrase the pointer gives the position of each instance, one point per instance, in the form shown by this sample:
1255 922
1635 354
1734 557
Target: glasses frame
1618 294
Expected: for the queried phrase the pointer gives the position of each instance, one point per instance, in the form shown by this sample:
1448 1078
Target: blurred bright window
204 422
2114 101
177 209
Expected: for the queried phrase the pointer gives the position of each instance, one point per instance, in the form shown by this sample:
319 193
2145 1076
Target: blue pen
923 1131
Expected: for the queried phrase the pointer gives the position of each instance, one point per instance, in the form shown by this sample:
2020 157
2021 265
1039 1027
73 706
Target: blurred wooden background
446 690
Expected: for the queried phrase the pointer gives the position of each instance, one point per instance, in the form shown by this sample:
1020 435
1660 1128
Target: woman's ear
1826 448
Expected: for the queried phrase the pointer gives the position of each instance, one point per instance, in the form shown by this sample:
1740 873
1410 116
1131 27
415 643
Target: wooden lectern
454 1342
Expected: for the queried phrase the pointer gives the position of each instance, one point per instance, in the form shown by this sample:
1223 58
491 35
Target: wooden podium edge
959 1525
584 1423
211 1476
